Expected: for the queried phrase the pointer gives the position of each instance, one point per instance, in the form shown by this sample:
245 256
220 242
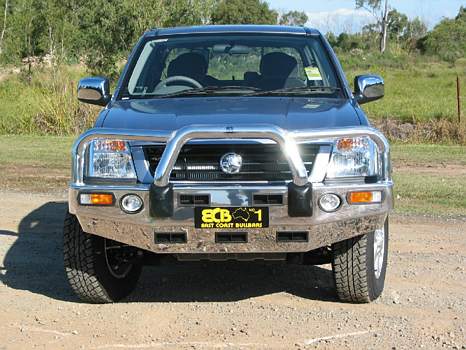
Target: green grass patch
418 89
415 90
422 154
430 194
36 151
44 103
38 164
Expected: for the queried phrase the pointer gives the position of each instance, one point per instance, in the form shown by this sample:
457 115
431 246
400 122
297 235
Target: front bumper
322 228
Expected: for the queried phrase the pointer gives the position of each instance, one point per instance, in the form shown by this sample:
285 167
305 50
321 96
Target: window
232 65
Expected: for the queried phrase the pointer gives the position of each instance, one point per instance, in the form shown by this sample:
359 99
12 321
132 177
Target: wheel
99 270
359 265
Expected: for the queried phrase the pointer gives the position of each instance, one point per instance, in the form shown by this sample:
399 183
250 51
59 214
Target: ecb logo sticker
231 217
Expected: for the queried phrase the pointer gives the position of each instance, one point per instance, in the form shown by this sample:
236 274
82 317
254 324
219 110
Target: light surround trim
110 159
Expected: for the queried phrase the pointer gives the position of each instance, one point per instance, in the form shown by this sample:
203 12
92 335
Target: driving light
110 159
353 157
96 199
131 203
329 202
366 197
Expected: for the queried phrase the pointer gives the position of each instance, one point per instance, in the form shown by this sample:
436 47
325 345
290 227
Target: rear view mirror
94 90
231 49
368 88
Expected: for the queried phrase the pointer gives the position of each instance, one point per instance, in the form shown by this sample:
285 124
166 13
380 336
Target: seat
192 65
275 69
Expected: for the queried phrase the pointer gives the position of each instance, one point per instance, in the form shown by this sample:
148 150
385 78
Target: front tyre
359 265
99 270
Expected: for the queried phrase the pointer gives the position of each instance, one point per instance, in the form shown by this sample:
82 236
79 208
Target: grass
428 155
35 163
430 194
418 89
51 151
429 179
43 103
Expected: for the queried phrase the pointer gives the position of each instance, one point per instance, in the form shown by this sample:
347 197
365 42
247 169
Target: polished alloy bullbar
175 140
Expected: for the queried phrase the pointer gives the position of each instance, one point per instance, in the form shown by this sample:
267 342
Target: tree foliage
448 39
400 29
243 12
100 33
379 9
294 18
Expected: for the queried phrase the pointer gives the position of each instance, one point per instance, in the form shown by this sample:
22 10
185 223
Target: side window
319 71
137 82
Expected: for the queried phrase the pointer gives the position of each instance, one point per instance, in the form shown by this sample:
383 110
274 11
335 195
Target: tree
447 39
332 39
243 12
107 30
415 31
294 18
2 34
379 9
397 24
187 12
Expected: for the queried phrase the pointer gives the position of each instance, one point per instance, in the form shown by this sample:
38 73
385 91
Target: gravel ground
230 305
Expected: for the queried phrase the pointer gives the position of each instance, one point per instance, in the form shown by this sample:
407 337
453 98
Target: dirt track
229 305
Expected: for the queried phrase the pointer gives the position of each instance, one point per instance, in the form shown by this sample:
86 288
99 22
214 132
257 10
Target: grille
261 162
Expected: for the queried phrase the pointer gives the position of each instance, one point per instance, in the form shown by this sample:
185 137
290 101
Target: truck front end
229 142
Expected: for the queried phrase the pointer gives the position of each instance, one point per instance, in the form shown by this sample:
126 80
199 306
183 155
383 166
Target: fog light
96 199
329 202
131 203
366 197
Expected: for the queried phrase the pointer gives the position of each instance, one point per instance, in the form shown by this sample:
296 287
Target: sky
341 16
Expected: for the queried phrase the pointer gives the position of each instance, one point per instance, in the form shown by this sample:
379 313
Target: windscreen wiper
210 90
297 90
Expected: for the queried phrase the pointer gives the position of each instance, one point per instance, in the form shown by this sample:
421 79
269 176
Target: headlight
110 159
354 157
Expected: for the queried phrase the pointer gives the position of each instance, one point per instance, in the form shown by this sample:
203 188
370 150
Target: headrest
277 64
191 64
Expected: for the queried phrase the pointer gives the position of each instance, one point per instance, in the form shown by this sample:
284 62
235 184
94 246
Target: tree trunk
2 35
383 34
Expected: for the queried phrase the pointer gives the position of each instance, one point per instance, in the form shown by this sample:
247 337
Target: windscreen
231 65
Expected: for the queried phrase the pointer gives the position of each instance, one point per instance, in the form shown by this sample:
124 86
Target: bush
447 39
44 102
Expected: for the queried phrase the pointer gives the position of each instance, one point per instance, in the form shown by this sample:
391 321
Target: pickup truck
229 143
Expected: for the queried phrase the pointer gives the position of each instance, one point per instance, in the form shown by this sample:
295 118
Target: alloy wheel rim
118 268
379 251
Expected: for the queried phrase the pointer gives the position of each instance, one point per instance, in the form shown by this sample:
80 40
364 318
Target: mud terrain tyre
88 269
359 265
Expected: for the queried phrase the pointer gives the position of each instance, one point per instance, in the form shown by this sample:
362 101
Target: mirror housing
368 88
94 90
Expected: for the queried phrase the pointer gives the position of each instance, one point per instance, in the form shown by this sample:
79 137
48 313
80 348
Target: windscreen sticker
313 73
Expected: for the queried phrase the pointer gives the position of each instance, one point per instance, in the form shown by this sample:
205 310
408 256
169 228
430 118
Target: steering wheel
179 78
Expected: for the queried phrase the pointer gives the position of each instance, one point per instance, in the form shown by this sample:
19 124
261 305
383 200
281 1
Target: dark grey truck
229 143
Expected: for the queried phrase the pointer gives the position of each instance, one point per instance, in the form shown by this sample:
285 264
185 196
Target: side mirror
368 88
95 90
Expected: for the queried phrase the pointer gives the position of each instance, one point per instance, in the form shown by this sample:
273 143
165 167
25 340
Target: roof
216 29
